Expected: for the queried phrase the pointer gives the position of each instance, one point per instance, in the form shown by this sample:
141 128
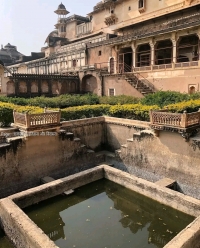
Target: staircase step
2 145
14 138
90 151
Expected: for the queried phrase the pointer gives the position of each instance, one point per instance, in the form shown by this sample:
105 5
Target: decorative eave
70 75
61 12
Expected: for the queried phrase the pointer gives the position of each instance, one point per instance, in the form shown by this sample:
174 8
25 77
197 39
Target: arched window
192 90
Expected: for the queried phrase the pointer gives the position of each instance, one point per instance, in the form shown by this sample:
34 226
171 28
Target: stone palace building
132 47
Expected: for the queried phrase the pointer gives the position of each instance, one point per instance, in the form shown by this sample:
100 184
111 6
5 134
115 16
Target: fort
121 47
138 51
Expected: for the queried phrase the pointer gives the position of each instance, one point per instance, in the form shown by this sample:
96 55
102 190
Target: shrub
6 112
86 111
132 111
189 106
62 101
163 98
114 100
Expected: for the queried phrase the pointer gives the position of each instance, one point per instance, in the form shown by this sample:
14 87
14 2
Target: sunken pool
105 214
4 242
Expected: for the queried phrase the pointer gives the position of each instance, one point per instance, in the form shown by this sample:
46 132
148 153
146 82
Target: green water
4 242
104 214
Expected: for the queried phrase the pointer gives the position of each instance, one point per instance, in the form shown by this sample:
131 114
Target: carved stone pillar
152 45
133 46
174 60
174 43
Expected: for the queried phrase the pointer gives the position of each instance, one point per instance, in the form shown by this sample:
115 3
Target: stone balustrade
28 121
165 118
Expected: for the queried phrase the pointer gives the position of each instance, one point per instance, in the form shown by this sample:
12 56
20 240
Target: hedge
6 112
129 111
189 106
65 101
132 111
164 98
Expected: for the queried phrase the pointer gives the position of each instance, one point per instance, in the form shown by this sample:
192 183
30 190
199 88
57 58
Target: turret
61 25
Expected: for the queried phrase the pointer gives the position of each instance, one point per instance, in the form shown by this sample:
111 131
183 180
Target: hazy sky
27 23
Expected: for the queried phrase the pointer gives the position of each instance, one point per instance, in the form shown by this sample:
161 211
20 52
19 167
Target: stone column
49 81
39 81
28 85
174 44
152 45
198 34
133 46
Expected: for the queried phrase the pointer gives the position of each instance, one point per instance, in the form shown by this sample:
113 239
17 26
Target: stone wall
80 145
153 158
26 161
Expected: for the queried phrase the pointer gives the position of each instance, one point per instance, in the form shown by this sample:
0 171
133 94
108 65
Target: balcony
184 123
29 122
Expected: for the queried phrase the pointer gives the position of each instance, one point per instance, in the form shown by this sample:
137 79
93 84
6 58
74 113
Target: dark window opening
74 63
111 92
99 53
141 4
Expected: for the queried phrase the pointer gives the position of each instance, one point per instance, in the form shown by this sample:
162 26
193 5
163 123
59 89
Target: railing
186 64
143 68
145 81
164 66
102 67
37 120
164 118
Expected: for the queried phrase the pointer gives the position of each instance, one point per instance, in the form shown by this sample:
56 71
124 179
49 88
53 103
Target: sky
27 23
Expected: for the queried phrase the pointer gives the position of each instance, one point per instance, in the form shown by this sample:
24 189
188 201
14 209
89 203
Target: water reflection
104 214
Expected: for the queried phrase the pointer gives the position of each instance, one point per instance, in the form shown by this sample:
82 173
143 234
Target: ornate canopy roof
61 10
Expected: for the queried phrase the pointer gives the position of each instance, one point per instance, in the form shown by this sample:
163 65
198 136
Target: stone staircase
141 85
77 143
123 151
8 136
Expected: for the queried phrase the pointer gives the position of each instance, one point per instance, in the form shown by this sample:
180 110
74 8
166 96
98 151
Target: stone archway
143 54
163 52
22 87
89 84
45 87
34 87
10 88
188 48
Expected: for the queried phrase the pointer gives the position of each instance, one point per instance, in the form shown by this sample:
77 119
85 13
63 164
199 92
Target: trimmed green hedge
132 111
86 111
65 101
128 111
164 98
